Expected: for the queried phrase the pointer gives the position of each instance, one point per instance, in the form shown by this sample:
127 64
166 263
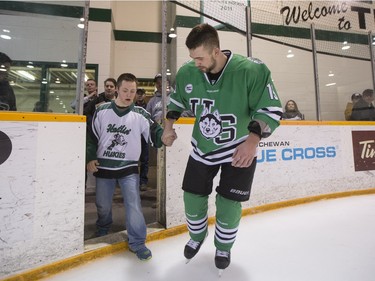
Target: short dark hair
113 80
90 79
202 35
4 58
141 91
368 92
126 77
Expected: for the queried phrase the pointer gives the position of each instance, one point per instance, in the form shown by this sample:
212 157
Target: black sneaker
222 259
101 232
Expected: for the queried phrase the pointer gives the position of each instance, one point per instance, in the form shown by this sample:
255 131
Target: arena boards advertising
299 160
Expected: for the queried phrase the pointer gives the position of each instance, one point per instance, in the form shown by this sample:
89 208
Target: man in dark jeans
143 178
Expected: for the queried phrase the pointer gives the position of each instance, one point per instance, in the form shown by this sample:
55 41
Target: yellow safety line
186 120
62 117
62 265
40 117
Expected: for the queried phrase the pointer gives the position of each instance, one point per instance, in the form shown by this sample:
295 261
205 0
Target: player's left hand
244 154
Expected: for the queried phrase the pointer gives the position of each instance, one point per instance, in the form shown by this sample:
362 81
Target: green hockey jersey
243 92
115 139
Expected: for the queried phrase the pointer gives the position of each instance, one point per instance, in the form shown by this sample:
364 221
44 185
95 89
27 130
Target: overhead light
81 24
330 84
64 64
172 34
44 81
30 65
3 68
6 37
26 75
331 74
57 81
290 54
346 46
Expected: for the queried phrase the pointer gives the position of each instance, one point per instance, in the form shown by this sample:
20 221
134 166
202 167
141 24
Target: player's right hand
168 137
91 166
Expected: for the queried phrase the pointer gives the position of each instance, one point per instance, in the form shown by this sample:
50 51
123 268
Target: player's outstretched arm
169 134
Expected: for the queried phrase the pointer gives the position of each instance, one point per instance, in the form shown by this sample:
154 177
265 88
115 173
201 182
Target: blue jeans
144 162
134 219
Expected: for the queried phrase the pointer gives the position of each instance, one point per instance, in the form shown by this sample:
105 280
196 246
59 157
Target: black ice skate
222 260
192 248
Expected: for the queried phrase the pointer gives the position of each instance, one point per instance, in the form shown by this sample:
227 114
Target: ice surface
332 240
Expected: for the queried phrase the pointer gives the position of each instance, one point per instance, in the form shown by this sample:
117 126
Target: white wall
42 190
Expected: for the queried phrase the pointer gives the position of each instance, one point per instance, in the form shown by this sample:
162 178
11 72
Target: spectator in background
7 97
154 106
364 109
291 111
140 98
109 94
38 107
349 106
143 171
92 92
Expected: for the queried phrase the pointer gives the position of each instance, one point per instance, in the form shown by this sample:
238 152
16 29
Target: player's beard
208 69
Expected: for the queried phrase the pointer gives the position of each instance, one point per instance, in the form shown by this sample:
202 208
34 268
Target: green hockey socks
228 216
196 207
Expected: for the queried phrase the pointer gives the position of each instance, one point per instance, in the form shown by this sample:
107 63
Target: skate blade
187 261
221 272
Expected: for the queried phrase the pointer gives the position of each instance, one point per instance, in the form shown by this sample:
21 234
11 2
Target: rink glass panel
45 50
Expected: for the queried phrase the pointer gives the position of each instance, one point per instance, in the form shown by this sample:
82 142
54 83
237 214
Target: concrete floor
117 233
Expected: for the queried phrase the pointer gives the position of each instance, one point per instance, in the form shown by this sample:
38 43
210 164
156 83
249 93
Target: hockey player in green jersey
235 104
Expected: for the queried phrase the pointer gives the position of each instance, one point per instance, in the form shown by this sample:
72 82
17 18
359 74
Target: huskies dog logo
118 140
210 124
